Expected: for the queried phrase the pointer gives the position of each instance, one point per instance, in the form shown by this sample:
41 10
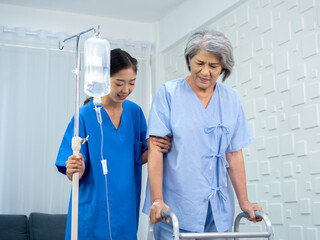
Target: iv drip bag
96 67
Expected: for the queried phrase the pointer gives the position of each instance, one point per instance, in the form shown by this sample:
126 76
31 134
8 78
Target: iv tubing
97 108
105 176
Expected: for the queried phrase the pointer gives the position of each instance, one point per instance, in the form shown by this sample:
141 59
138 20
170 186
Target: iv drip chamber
96 67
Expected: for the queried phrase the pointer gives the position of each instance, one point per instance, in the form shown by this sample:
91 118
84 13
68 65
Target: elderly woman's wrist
243 201
156 200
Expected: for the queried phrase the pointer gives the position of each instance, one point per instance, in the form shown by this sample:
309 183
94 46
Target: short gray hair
215 43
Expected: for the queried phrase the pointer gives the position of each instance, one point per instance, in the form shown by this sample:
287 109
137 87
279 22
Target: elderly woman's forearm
237 175
155 172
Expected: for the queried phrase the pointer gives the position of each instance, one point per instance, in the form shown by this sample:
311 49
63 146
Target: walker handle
257 214
175 222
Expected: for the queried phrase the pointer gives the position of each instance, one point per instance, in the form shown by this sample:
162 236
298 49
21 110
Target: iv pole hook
61 44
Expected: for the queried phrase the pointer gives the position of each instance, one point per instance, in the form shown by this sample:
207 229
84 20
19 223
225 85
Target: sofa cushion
13 227
47 226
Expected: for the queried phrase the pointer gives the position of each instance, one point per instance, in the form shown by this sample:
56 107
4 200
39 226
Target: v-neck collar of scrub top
197 98
109 123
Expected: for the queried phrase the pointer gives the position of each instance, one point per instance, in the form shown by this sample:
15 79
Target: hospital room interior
276 75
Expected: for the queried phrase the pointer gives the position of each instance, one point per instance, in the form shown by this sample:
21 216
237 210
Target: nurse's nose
125 89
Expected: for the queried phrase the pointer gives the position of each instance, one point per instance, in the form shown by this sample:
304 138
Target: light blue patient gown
122 148
195 169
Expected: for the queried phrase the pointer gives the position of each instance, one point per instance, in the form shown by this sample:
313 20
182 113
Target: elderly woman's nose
205 70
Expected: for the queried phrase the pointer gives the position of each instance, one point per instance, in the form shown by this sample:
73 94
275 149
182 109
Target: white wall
189 16
277 74
173 28
53 21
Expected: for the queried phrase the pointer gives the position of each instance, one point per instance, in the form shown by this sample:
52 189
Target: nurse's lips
122 97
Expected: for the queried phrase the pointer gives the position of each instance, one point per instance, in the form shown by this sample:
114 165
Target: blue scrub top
122 149
195 169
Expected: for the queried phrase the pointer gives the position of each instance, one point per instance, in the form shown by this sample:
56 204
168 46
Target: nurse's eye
119 84
132 84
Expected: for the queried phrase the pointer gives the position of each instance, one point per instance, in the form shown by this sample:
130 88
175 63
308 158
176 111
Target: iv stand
76 140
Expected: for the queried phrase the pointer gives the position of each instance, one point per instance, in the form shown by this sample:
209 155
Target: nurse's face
122 84
205 69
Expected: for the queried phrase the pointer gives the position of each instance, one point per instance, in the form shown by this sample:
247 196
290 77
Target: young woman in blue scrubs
208 129
124 130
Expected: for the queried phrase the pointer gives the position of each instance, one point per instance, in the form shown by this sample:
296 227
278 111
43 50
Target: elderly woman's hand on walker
155 211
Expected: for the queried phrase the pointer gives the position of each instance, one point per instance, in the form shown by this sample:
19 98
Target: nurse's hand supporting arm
237 175
155 172
163 145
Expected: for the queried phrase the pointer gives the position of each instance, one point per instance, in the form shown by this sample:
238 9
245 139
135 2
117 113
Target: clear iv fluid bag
96 67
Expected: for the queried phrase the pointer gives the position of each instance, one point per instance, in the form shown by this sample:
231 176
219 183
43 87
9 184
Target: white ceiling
136 10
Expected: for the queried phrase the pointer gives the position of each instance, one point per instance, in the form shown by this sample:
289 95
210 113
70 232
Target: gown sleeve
159 116
65 149
242 135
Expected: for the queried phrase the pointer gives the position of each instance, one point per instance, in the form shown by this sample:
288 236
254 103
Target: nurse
125 148
208 129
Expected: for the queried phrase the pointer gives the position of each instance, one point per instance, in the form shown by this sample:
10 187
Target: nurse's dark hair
119 60
215 43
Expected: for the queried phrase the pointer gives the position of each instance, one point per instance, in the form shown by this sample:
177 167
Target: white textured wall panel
314 158
314 90
298 94
295 232
282 62
316 210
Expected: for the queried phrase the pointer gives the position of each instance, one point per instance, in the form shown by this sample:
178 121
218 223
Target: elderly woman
208 129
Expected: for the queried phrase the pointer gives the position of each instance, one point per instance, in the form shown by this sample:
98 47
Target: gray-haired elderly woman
208 129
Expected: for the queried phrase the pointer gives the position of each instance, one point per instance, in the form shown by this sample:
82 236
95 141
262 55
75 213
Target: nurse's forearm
155 171
237 175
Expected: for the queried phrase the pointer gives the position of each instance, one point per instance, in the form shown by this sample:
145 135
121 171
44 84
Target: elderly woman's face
205 69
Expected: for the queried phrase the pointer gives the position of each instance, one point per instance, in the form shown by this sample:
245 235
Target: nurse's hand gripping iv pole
76 140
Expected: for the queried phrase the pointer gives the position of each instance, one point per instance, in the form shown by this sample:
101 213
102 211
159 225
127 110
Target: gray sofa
39 226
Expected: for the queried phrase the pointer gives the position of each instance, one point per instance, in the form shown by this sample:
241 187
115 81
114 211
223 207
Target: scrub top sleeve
143 132
159 116
242 135
65 150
